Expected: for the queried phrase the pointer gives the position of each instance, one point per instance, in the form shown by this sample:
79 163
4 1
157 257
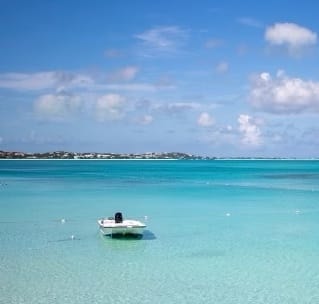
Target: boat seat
118 217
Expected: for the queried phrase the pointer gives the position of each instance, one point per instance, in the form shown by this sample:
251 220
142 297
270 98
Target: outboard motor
118 217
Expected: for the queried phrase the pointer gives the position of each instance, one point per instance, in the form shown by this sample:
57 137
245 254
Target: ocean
218 231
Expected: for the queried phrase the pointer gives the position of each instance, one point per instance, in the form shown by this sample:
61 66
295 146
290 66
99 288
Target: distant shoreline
98 155
90 159
65 155
158 159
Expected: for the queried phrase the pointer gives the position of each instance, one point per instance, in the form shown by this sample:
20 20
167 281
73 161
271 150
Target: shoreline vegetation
127 156
96 155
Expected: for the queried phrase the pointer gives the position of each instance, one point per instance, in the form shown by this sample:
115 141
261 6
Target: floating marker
63 221
227 214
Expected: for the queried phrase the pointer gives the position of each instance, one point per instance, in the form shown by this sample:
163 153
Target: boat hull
121 231
126 228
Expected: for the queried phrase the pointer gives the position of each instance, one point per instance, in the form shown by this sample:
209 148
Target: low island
95 155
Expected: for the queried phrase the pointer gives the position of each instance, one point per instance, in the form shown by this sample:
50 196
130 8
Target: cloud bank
119 80
56 106
43 80
283 94
110 107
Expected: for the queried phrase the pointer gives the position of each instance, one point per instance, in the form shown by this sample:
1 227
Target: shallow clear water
218 232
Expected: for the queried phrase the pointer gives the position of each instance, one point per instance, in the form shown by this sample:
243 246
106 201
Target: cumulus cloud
251 134
43 80
283 94
163 39
56 106
291 36
110 107
125 74
205 120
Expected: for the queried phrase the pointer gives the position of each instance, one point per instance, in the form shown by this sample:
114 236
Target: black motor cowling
118 217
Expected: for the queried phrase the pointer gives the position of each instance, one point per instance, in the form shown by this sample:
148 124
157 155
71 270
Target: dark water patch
292 176
147 235
127 236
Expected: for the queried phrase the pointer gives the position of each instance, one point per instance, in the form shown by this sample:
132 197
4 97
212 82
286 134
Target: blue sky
218 78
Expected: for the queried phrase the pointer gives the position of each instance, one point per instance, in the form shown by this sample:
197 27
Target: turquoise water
218 232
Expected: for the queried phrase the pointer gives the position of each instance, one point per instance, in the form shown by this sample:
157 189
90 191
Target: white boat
118 227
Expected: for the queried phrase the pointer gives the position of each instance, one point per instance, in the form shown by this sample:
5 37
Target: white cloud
250 22
283 94
222 67
75 80
35 81
56 106
205 120
251 134
43 80
177 107
163 39
125 74
63 80
110 107
290 35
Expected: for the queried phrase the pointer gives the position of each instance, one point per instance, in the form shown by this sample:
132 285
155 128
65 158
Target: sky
212 78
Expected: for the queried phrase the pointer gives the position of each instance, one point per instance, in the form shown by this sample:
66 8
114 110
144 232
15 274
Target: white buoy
72 237
63 221
227 214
